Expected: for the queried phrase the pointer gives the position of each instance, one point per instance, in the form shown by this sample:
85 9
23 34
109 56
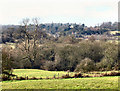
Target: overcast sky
90 12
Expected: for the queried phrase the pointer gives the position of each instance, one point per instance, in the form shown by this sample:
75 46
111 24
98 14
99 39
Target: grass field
39 73
42 73
73 83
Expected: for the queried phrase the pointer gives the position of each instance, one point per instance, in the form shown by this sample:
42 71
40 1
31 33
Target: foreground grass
74 83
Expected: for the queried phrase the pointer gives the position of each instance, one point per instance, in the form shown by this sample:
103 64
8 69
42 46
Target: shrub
7 59
20 78
66 58
77 75
33 78
85 65
49 65
111 74
66 76
5 77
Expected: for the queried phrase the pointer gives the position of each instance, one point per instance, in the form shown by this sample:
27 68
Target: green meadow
110 82
39 73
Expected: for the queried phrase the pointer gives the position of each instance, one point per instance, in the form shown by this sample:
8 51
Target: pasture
110 82
43 73
38 73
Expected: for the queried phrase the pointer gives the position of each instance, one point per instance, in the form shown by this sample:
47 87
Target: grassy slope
38 73
75 83
42 73
78 83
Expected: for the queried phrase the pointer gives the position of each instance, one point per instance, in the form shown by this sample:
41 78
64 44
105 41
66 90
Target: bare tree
35 36
25 46
29 45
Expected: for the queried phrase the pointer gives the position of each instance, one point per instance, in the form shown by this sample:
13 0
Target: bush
49 65
20 78
7 60
5 77
110 60
66 76
77 75
33 78
111 74
66 58
85 65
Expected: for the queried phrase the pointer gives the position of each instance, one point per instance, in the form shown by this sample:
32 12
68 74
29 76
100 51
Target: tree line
11 33
84 56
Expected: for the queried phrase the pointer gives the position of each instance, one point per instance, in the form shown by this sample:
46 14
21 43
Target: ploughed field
109 82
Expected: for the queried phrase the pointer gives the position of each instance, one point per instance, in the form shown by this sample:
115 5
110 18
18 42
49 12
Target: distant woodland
12 33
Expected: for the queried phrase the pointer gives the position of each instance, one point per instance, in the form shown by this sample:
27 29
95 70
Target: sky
89 12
